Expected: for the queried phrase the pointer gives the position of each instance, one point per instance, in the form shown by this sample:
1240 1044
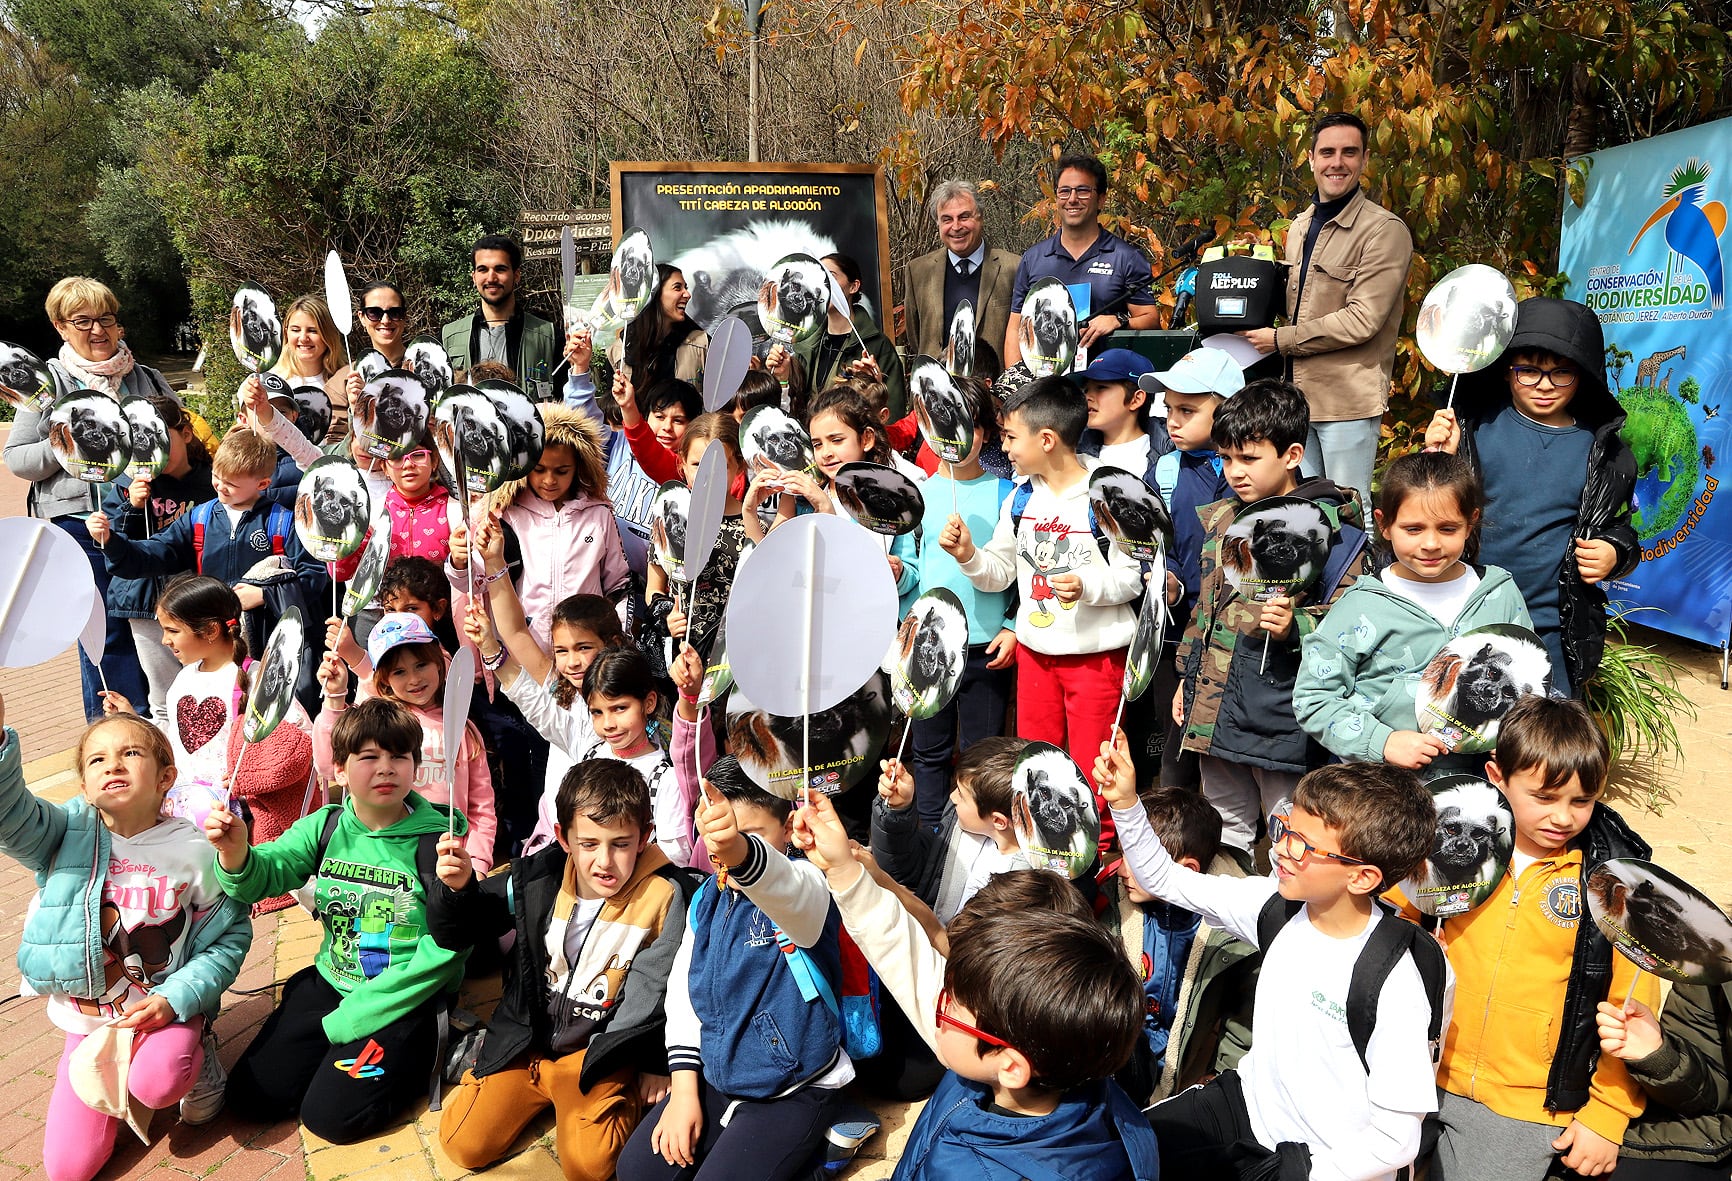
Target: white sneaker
205 1100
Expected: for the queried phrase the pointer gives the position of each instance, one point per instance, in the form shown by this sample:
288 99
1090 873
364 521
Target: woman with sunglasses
93 356
314 351
385 316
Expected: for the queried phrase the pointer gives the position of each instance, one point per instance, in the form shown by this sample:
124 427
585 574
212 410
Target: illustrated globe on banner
1668 458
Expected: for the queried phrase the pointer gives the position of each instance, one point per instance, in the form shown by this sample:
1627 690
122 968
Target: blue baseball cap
396 628
1116 365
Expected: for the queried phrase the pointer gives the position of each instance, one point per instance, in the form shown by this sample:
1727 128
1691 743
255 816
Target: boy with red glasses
1350 1000
1033 1011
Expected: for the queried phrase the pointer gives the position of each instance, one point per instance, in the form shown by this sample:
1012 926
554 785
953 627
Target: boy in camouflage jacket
1235 702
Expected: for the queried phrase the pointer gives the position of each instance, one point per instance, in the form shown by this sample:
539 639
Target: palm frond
1636 700
1691 172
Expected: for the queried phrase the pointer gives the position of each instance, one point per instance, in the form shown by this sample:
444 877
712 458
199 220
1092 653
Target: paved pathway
1685 811
48 694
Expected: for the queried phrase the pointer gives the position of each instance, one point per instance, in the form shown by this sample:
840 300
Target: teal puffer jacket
61 951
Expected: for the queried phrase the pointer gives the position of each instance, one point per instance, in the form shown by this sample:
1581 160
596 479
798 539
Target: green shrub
1636 699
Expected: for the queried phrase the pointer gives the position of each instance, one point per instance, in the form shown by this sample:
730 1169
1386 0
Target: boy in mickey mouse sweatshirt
1074 622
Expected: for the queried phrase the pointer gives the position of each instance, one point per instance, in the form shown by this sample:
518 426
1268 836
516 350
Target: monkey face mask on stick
1660 922
1052 810
1465 690
1470 850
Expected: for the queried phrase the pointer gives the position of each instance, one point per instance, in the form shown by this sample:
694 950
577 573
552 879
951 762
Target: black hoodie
1571 331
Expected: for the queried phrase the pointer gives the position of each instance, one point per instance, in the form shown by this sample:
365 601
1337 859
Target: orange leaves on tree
1204 108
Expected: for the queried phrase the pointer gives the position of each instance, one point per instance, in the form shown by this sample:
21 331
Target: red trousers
1070 701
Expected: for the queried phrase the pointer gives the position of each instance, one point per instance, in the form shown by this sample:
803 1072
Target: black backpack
1391 940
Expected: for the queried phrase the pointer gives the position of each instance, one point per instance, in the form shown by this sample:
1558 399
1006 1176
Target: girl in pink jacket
560 535
423 512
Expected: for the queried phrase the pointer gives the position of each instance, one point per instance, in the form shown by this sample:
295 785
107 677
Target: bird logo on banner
1693 229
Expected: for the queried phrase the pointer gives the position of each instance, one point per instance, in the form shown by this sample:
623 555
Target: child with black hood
1542 430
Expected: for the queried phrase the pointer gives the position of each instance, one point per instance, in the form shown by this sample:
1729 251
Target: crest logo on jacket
1563 903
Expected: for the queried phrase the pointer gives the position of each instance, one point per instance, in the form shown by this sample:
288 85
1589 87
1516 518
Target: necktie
965 268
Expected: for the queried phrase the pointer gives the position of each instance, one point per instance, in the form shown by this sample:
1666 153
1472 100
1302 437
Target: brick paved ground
32 1049
1691 832
1690 821
282 944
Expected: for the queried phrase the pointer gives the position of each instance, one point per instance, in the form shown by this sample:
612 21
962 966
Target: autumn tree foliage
1202 108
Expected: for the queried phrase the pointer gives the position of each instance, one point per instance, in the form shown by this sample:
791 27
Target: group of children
696 971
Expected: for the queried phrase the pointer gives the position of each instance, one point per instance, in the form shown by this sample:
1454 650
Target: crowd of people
1236 987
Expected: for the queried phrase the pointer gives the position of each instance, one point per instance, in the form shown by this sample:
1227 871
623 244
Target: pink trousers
79 1140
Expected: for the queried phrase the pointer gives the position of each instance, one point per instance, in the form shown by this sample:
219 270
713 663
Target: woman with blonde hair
314 351
93 356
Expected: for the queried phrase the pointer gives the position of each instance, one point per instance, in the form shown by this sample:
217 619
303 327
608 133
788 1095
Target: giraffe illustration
1666 381
1649 369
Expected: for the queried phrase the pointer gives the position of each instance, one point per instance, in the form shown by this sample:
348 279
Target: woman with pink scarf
93 356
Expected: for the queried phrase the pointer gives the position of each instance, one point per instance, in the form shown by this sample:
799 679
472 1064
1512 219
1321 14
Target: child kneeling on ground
354 1040
599 917
110 869
754 1047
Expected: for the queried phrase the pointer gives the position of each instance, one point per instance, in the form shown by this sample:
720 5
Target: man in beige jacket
1346 292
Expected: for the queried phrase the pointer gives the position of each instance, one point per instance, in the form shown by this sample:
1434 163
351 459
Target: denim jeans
119 657
1346 452
976 712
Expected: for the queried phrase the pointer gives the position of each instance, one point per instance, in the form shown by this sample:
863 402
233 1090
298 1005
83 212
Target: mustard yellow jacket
1512 957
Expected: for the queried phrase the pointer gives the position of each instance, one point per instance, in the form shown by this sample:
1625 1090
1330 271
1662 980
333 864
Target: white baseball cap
1200 371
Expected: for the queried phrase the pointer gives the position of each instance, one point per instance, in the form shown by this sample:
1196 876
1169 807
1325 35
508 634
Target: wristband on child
493 663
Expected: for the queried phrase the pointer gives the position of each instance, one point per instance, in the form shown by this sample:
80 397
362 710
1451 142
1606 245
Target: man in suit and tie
964 268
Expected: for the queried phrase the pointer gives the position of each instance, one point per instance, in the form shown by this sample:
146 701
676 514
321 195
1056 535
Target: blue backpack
857 1009
279 523
1019 505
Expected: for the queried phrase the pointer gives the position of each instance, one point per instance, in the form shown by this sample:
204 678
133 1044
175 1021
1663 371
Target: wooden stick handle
15 591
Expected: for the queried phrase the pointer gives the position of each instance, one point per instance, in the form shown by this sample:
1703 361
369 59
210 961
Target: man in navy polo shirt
1116 273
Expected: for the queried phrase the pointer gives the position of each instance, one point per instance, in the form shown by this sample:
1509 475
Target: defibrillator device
1238 291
